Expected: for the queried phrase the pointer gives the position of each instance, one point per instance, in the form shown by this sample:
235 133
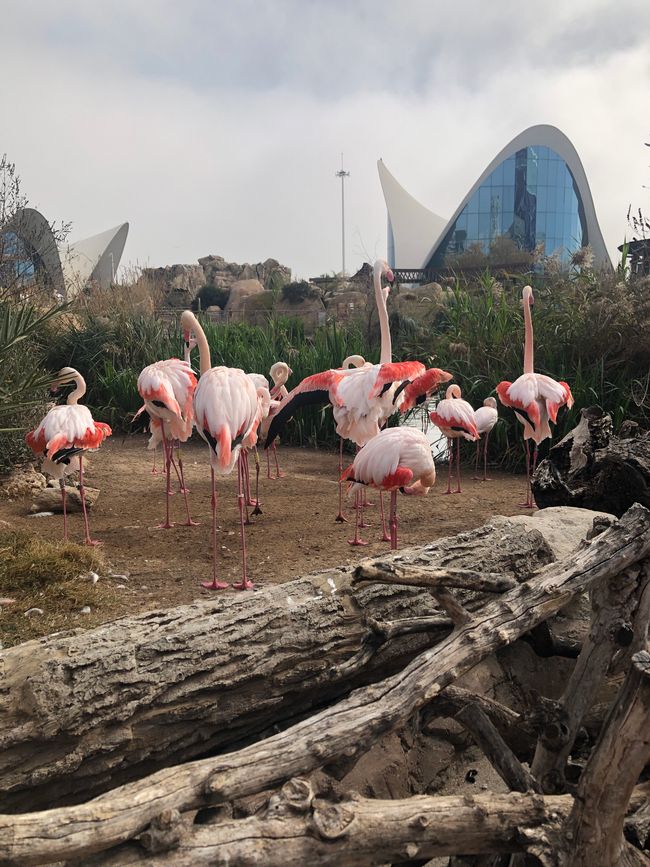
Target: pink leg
167 452
268 465
182 489
278 472
65 514
257 510
384 535
450 460
247 479
189 522
457 491
529 497
357 539
245 583
154 471
340 518
475 476
214 584
485 453
393 520
82 492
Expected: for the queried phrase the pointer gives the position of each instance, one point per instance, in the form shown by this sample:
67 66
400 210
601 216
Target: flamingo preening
397 459
63 437
535 398
167 389
227 410
485 417
455 419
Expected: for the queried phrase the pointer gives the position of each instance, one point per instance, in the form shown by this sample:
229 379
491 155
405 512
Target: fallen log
593 469
345 729
86 711
362 832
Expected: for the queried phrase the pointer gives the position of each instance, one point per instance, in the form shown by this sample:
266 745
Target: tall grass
595 336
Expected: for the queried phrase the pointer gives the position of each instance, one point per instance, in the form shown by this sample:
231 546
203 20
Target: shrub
298 291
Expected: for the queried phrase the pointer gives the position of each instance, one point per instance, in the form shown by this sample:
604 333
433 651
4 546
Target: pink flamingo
167 388
396 459
188 346
63 437
228 411
455 418
362 398
279 373
535 398
486 417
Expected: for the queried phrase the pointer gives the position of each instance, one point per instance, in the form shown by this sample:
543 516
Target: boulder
240 291
22 482
49 499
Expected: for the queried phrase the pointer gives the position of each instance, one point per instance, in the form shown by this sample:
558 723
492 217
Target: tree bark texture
342 730
593 469
83 712
361 832
612 771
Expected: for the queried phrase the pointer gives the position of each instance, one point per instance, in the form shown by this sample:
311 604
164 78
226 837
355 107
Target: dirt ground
295 534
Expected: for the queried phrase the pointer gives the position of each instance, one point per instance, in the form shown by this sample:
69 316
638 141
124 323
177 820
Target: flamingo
279 373
228 411
63 437
262 388
535 398
396 459
188 346
455 418
167 388
486 417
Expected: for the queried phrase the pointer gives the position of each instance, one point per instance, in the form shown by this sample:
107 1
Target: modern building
29 252
532 198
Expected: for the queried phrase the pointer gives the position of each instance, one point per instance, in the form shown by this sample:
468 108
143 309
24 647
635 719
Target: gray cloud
217 127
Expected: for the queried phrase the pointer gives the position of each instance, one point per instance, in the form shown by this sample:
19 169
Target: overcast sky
217 127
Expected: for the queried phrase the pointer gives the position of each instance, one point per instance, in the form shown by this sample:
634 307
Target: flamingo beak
390 276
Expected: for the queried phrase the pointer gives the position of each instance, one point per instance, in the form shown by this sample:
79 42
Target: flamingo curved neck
79 391
528 338
202 343
386 347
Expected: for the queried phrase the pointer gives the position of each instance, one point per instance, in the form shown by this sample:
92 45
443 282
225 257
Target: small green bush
298 291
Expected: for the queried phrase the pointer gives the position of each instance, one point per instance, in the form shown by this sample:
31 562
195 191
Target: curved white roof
409 224
35 232
94 259
91 260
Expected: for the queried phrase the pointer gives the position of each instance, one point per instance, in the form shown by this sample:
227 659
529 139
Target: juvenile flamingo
167 389
63 437
397 459
486 417
455 418
534 397
279 373
227 409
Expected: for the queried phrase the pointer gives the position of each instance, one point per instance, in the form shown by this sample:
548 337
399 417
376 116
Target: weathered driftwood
496 751
593 469
360 832
345 729
613 603
82 712
419 575
596 822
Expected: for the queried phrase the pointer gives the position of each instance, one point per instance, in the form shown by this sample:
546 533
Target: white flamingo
227 410
62 438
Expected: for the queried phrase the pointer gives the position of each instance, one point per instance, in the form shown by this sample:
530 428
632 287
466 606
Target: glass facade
530 199
18 264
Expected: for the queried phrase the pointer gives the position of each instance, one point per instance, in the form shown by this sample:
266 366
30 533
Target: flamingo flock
233 411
